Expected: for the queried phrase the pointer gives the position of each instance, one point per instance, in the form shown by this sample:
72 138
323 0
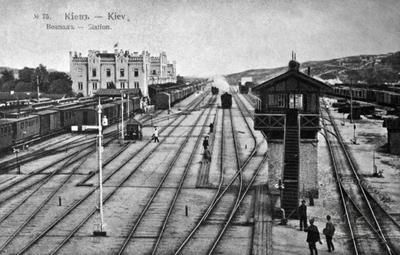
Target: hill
371 69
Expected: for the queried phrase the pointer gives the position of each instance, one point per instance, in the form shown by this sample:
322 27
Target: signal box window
296 101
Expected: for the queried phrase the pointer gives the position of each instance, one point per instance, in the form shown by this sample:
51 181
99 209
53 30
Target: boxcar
49 121
163 100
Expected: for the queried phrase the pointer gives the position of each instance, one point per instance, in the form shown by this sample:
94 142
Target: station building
288 117
119 70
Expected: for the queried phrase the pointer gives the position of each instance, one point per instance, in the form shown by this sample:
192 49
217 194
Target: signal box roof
293 80
134 122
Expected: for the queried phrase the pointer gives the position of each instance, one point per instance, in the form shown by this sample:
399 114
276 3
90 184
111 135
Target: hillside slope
372 69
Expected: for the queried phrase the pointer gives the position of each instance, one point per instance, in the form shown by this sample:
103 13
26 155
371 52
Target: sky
205 37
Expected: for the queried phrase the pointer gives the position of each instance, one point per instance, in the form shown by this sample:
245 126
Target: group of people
313 235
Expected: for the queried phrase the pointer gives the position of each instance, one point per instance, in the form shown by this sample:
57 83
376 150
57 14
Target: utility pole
100 232
37 82
351 101
122 117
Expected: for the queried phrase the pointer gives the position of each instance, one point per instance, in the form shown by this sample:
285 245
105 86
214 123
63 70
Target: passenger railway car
7 133
226 100
50 117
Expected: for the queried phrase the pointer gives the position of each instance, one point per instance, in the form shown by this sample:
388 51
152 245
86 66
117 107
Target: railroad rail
356 199
217 198
66 213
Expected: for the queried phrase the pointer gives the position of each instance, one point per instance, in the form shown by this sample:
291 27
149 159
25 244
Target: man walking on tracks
313 237
328 231
302 214
211 127
205 146
155 135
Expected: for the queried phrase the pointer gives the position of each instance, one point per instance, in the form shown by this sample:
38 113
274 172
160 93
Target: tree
7 75
57 76
23 86
8 86
26 74
60 86
42 77
180 79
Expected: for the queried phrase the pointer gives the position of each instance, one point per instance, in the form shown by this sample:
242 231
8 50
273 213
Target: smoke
221 83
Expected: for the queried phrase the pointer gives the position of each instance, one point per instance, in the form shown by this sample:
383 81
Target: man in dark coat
211 127
205 146
328 231
313 237
302 214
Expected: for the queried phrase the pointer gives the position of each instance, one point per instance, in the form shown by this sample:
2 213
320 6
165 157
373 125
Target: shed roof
117 92
135 122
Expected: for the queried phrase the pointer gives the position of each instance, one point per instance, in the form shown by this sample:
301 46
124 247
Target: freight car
387 98
214 90
49 121
226 100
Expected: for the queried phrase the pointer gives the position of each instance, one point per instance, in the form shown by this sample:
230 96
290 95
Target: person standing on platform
328 231
155 135
211 127
302 214
313 237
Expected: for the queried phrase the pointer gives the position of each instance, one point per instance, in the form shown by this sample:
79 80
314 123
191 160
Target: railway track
365 216
64 217
172 203
217 199
60 218
248 186
19 186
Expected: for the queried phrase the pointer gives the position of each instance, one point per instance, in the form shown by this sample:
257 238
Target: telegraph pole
351 101
122 117
100 232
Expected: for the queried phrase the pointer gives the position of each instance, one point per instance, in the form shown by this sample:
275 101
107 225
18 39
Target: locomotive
226 100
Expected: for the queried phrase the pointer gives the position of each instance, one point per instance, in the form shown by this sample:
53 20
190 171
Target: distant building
245 79
119 70
161 70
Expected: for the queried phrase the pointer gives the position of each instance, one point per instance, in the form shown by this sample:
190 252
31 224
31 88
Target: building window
136 72
136 84
122 72
110 85
296 101
94 85
122 85
80 85
276 100
94 72
108 72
